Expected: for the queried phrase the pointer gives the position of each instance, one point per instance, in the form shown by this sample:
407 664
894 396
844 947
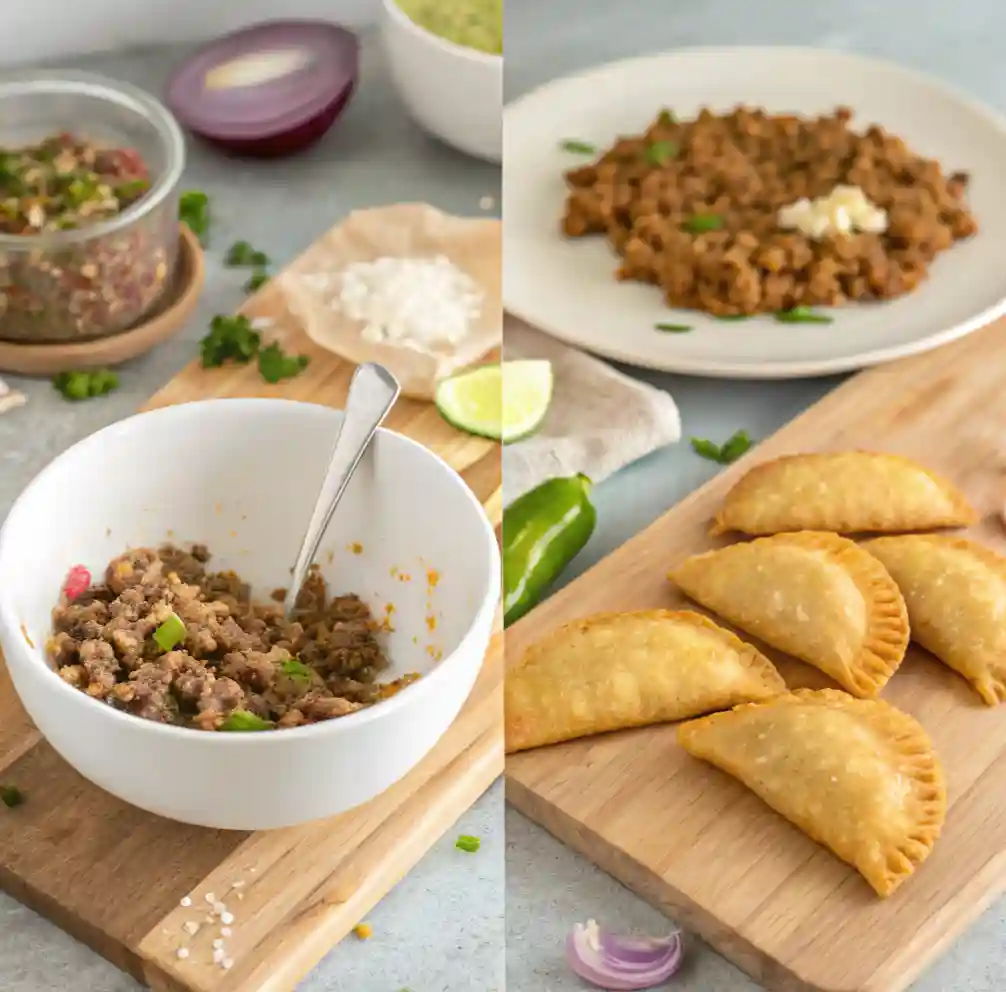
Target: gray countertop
441 930
549 887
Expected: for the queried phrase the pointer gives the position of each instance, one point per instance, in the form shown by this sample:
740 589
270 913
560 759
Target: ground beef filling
238 660
645 193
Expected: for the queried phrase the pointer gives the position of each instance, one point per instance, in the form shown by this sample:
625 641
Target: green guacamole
474 24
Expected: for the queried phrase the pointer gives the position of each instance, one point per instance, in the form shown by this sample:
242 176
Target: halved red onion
622 964
268 90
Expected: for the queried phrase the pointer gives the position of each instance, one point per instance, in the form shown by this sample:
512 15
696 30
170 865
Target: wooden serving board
114 876
702 848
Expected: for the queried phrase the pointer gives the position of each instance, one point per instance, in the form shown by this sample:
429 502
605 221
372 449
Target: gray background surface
548 887
441 930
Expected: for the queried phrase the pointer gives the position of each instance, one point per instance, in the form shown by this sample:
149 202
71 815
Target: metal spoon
372 393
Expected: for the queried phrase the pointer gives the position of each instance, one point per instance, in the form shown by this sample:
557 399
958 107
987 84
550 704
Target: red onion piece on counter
622 964
268 90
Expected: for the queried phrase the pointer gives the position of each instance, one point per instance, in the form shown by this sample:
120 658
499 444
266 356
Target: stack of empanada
853 772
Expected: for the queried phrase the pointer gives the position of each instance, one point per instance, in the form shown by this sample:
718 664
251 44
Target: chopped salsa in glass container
63 285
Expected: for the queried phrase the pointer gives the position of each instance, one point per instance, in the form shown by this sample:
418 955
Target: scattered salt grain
211 897
182 952
217 944
227 964
237 885
186 902
218 955
226 931
416 302
219 908
226 917
191 928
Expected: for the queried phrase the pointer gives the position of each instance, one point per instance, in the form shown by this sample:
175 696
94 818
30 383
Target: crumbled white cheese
844 210
418 302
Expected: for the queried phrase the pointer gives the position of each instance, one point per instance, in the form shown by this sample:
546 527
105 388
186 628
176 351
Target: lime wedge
505 401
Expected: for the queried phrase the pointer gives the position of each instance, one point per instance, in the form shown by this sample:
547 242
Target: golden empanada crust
816 596
846 492
955 591
856 775
616 670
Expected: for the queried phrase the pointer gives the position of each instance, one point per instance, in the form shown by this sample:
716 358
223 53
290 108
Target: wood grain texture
114 876
702 848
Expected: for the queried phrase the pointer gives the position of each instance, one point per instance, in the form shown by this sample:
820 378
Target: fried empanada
955 591
816 596
616 670
847 492
856 775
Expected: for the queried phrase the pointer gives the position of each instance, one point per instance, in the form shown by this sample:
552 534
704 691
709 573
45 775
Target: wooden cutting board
114 876
699 846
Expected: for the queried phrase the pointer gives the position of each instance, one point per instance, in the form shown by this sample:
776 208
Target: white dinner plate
566 286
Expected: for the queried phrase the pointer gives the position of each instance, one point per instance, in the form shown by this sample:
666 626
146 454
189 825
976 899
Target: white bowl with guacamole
446 59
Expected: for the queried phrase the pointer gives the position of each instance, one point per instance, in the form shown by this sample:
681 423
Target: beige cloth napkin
599 420
10 399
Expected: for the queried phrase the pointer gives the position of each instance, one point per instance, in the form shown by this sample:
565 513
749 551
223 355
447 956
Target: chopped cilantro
275 364
578 148
802 315
11 796
230 339
84 385
661 152
731 449
673 328
241 254
241 721
468 843
194 211
256 281
297 670
700 223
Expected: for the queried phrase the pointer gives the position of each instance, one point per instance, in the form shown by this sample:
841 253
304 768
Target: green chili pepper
543 531
243 722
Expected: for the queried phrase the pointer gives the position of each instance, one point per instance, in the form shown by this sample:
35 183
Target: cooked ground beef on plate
165 639
646 192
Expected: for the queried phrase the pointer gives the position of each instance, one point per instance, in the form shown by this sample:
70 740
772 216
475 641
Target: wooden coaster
166 320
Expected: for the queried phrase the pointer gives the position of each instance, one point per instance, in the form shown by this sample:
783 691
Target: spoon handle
372 393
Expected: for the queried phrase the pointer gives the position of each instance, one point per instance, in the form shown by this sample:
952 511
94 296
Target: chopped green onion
242 254
468 843
731 449
257 281
297 670
578 148
802 315
76 386
241 721
194 211
661 152
701 223
673 328
132 188
230 338
275 364
11 796
171 633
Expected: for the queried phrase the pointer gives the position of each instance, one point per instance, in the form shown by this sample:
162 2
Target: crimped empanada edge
726 521
912 742
991 691
760 667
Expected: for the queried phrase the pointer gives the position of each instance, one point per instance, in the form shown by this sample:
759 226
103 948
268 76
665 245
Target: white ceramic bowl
455 93
242 475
